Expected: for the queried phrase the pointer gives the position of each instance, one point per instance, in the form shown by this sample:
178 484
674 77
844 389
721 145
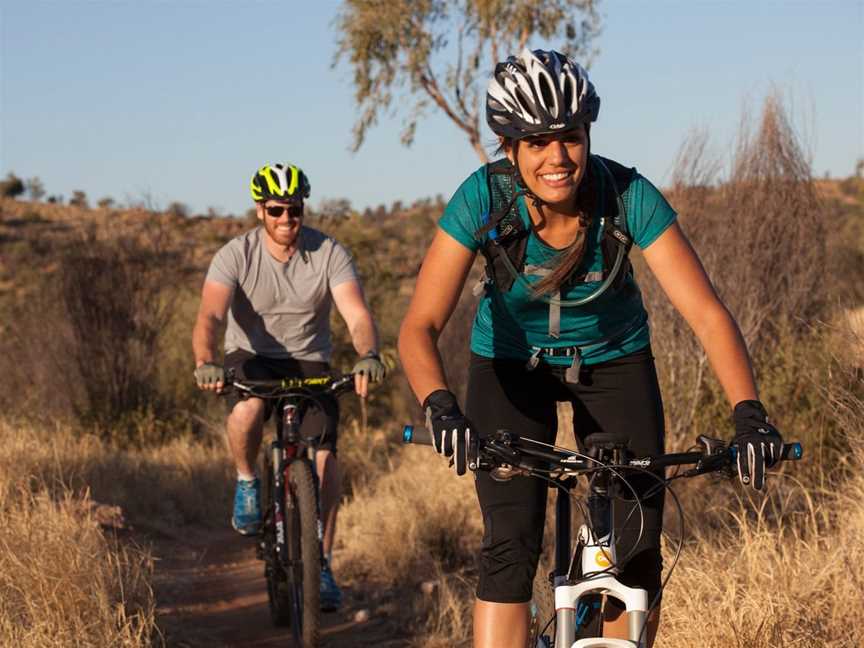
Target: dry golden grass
66 579
761 584
407 522
415 523
161 488
449 613
63 582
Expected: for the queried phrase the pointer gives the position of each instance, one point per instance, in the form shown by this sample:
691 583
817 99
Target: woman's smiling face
552 166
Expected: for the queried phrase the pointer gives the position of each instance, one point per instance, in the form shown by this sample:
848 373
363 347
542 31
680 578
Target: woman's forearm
421 360
724 345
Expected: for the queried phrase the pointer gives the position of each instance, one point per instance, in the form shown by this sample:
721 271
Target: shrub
177 209
118 300
35 188
78 199
12 186
760 234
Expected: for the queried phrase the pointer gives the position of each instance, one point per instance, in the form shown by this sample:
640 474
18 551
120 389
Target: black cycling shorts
320 421
620 396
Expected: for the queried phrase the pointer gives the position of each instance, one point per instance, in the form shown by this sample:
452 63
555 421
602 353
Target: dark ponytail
570 257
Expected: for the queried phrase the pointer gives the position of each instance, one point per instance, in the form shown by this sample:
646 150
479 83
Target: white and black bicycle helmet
538 93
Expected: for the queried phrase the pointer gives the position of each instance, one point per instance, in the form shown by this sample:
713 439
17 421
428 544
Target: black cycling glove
450 430
759 443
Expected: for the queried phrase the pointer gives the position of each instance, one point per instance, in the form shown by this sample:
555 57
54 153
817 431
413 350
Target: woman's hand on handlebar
450 430
759 443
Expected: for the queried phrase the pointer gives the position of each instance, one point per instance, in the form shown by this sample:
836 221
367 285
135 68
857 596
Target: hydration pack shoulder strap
504 232
616 238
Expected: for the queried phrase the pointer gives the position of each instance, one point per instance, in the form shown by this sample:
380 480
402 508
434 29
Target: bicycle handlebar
504 447
282 387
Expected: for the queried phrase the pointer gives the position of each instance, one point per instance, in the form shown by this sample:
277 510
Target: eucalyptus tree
410 55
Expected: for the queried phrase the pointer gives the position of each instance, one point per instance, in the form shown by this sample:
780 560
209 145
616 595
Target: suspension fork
565 618
599 535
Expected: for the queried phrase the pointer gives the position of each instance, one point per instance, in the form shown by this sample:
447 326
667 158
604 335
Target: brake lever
715 453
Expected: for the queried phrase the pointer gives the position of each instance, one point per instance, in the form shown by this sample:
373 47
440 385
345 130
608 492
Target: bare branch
395 49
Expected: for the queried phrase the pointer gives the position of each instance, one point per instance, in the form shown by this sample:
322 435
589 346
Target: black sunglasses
275 211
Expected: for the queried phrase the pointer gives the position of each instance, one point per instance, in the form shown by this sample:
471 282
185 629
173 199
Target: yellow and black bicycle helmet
279 182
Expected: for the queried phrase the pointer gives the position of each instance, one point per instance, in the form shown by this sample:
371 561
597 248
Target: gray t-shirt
281 310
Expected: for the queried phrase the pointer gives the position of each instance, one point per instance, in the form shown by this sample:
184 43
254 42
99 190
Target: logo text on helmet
556 126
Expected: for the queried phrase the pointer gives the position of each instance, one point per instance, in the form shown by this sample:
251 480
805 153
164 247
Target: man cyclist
276 284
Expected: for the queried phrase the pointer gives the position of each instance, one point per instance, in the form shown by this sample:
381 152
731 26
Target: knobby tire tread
278 597
302 487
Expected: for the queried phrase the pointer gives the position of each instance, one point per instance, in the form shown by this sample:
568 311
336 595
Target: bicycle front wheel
304 552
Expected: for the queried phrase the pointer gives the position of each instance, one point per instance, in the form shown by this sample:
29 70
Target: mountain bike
291 533
586 574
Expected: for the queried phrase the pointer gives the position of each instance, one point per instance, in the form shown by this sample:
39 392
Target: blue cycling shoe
330 594
247 507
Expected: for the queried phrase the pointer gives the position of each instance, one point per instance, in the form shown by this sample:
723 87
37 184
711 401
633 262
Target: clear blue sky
182 100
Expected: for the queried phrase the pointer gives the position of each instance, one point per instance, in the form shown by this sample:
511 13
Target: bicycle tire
305 545
278 597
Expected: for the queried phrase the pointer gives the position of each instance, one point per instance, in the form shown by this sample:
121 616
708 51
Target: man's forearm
204 342
364 336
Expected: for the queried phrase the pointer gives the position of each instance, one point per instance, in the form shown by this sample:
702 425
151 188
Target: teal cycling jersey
516 324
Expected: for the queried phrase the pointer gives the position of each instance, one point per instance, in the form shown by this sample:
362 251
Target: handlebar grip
790 452
416 434
793 451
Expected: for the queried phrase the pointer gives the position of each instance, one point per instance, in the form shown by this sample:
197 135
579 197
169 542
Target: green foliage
405 48
12 186
177 209
78 199
35 188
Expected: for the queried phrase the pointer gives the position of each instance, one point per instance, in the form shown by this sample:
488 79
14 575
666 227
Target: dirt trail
211 592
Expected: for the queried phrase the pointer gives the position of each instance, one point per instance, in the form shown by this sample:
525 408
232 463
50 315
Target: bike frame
287 447
282 547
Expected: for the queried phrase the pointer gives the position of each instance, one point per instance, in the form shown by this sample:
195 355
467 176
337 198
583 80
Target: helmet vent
547 95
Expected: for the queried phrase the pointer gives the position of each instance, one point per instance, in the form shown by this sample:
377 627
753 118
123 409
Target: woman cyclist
562 319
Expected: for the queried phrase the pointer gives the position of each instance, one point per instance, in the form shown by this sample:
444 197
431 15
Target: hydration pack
506 237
